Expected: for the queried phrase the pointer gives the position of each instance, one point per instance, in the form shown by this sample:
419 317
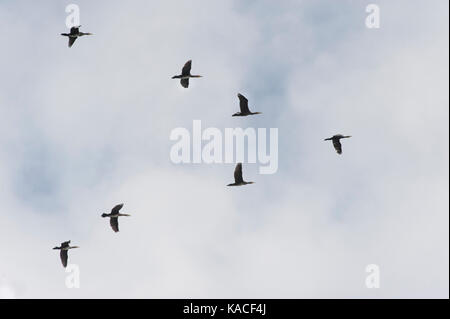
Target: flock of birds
184 81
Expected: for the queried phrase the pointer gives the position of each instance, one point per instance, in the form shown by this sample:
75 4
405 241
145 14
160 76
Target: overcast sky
88 127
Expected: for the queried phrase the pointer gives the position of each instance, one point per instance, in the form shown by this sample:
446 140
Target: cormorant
336 143
186 74
243 104
238 180
74 34
114 217
65 246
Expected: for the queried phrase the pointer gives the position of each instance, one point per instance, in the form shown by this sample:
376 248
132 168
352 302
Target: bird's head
236 114
55 247
104 215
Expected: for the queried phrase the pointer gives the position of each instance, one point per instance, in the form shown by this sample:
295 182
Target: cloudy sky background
88 127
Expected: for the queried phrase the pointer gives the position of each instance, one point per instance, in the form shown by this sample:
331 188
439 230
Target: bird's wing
114 221
71 41
65 244
337 145
184 83
187 68
74 30
243 103
116 209
238 173
63 254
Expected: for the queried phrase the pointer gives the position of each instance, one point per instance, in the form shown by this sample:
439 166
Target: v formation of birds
184 81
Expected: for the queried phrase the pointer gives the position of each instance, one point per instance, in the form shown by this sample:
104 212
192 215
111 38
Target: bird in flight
186 74
74 34
114 217
336 142
238 180
243 104
64 248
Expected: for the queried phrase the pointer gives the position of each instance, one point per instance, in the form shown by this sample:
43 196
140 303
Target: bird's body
336 142
63 254
74 34
186 74
243 105
114 217
238 180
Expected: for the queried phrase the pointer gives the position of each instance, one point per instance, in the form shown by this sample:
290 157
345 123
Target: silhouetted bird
65 246
186 74
336 143
243 104
74 34
238 180
114 217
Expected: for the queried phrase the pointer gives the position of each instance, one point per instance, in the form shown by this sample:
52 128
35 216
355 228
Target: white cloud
88 127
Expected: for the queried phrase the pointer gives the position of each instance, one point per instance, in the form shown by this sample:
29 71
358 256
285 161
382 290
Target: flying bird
336 142
114 217
238 180
186 74
243 104
74 34
65 246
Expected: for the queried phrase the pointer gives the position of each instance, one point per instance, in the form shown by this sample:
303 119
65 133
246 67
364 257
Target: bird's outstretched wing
65 244
186 68
116 209
114 221
337 145
71 41
243 103
238 173
184 83
64 256
74 30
